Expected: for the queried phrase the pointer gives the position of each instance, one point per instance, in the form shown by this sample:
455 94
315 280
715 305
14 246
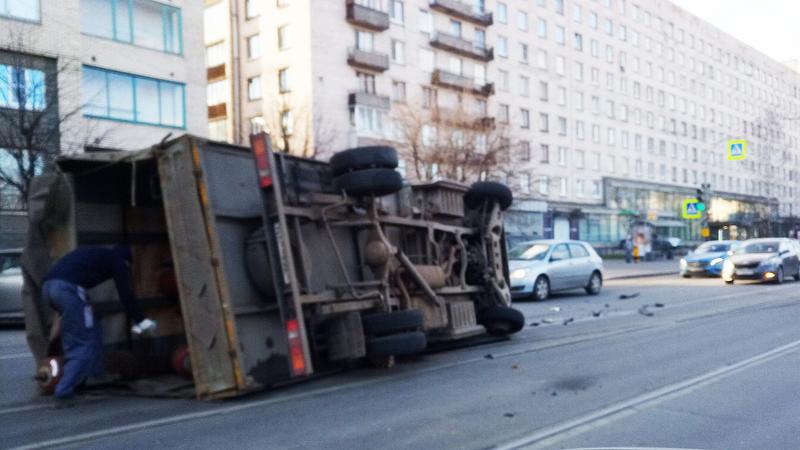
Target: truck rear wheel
375 182
392 322
360 158
397 344
502 320
488 190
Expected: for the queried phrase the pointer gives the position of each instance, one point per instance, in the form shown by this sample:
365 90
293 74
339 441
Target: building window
562 156
524 86
523 53
284 84
22 88
254 46
578 42
543 91
254 88
287 124
525 150
396 12
525 118
502 46
399 91
140 22
580 160
425 21
525 183
522 20
429 98
368 120
541 28
218 130
215 55
562 126
576 13
562 190
120 96
283 38
544 125
217 92
20 9
502 12
257 125
560 35
544 185
503 113
398 52
425 60
597 192
545 153
251 8
503 80
366 82
541 59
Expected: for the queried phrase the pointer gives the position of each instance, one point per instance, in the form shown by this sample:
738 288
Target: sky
770 26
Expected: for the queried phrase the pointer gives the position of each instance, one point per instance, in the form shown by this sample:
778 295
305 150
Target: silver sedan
10 286
541 267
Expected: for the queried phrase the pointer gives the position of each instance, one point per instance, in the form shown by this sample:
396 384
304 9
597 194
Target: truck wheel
376 182
392 322
360 158
397 344
502 320
488 190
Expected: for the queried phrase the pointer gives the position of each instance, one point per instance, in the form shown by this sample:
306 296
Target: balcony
368 60
485 123
461 46
217 111
367 99
216 72
366 17
461 83
463 11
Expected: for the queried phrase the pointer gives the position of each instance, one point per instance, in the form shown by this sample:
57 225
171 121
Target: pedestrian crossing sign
737 149
690 209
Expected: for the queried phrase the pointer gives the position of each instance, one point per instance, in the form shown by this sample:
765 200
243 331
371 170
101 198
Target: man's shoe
145 326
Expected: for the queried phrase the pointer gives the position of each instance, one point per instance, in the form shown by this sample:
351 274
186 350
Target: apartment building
115 73
617 109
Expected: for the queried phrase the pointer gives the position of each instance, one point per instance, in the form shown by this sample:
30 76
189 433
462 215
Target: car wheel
375 182
797 275
541 288
595 283
779 276
728 281
397 344
502 320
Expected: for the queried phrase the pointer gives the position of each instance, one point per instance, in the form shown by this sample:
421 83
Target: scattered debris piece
596 313
627 296
569 320
555 309
488 356
659 305
508 415
515 366
554 393
547 321
534 324
607 305
643 310
533 393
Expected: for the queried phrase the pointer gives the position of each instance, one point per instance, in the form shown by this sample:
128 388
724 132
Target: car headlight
716 261
518 274
683 263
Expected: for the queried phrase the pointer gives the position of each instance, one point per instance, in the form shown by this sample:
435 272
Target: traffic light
701 203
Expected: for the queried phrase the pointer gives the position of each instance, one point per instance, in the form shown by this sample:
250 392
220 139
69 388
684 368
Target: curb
644 275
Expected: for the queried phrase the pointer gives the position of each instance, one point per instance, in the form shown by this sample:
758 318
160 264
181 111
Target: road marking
546 437
17 409
15 356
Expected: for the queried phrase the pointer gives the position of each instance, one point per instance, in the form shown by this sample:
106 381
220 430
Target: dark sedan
767 259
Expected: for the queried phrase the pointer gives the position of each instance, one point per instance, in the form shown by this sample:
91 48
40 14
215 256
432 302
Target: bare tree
295 129
32 121
452 143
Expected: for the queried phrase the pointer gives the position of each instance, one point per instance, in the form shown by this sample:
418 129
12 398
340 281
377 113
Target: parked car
540 267
766 259
707 259
10 286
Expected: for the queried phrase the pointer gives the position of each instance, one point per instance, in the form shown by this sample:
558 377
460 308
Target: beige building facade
604 100
123 73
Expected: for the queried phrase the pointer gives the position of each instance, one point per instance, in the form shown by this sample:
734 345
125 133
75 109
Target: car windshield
758 247
712 247
528 252
9 263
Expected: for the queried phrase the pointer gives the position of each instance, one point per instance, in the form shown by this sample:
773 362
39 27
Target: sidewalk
615 269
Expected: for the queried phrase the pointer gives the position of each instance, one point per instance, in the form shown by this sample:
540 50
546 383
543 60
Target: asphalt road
685 364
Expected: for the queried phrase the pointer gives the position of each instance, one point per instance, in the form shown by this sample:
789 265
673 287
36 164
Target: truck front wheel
397 344
502 320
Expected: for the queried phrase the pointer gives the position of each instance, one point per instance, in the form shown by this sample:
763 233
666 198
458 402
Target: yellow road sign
737 149
690 210
705 232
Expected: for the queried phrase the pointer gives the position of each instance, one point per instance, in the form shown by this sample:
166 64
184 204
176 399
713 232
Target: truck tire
502 320
374 182
392 322
397 344
360 158
488 190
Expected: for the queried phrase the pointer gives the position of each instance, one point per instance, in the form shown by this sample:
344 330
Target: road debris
488 356
569 320
555 308
515 366
659 305
534 324
643 310
508 415
547 321
554 393
607 306
627 296
596 313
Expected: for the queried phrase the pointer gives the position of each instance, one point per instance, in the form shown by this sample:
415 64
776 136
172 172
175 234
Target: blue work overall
81 335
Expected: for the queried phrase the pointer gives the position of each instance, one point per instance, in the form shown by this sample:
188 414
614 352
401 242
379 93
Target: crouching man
65 290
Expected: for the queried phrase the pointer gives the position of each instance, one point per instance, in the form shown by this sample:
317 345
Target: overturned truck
261 267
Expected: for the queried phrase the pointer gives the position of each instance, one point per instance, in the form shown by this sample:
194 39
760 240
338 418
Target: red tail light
295 348
262 162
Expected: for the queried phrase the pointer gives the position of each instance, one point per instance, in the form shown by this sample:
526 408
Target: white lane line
17 409
546 437
16 356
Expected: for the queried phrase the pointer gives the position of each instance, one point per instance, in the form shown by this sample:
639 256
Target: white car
538 268
10 286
